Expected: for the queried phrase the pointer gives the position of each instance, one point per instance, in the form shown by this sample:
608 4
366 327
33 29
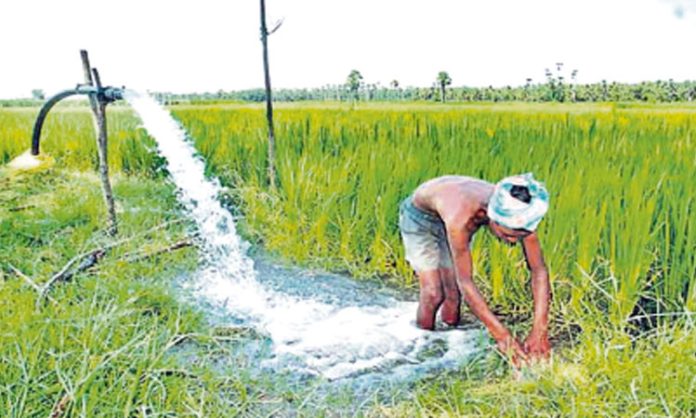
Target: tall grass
103 345
604 375
620 229
68 135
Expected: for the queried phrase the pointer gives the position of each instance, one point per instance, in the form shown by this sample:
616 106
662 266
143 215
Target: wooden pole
269 100
99 117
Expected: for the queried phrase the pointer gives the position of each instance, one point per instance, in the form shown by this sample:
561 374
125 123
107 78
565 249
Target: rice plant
620 226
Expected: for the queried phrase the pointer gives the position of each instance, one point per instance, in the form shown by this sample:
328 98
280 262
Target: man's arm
537 344
459 246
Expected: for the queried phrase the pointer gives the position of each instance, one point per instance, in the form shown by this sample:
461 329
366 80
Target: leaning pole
99 116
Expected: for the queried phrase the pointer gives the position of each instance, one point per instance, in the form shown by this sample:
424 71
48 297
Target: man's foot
450 312
425 318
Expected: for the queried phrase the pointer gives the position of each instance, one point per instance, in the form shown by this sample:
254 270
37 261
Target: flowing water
316 324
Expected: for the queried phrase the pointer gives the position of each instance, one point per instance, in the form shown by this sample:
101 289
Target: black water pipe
105 95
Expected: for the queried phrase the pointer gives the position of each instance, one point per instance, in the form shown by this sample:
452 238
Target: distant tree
370 91
555 85
354 82
443 80
573 89
38 94
394 84
605 91
672 93
527 85
689 91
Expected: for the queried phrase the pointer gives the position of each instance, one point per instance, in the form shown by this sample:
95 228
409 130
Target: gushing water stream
318 325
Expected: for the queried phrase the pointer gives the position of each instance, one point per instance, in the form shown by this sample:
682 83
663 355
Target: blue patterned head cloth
512 212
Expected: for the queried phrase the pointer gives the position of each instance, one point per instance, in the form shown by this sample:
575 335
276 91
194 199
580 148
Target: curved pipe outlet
107 95
110 94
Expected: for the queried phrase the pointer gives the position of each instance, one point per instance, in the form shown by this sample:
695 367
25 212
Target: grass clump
608 373
102 344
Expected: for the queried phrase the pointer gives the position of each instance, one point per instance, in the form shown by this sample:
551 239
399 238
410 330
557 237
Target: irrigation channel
322 325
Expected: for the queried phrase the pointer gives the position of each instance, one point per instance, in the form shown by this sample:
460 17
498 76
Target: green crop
620 229
619 241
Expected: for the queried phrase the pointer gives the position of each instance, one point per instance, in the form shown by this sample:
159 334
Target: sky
210 45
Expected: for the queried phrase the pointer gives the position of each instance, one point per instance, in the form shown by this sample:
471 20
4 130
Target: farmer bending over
437 223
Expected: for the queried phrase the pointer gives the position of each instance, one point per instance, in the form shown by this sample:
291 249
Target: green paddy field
619 241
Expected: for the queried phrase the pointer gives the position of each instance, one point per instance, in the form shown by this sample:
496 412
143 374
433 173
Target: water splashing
312 332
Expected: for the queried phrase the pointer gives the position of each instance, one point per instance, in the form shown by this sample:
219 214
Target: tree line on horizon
659 91
554 89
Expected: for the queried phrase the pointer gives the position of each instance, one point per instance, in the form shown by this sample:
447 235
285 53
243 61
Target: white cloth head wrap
513 213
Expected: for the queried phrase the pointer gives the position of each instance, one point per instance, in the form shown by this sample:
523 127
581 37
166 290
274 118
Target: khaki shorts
425 238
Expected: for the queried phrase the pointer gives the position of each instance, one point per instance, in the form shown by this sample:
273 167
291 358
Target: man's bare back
437 223
458 200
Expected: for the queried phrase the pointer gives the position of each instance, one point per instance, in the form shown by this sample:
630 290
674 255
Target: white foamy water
308 335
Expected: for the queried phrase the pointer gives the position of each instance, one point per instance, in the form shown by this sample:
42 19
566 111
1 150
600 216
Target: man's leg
452 297
431 296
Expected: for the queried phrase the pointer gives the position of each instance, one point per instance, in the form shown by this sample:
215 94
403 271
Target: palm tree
527 85
394 84
443 80
573 92
354 82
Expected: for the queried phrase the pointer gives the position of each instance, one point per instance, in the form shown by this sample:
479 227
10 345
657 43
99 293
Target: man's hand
537 345
511 348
